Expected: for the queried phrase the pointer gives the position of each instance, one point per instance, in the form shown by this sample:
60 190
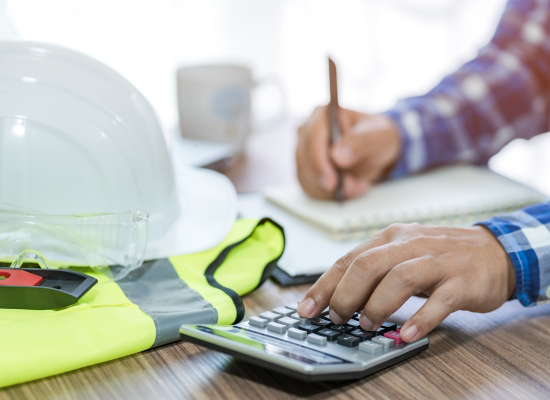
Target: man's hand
368 148
457 268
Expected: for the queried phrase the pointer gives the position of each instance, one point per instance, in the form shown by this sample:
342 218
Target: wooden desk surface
501 355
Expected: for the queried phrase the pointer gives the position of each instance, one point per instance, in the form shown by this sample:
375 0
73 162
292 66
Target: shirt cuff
522 236
400 169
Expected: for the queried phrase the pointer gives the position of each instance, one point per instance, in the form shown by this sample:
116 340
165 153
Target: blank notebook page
455 195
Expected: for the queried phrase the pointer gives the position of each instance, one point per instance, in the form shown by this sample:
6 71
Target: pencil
335 131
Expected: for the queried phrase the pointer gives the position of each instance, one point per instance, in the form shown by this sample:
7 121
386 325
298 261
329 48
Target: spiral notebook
456 195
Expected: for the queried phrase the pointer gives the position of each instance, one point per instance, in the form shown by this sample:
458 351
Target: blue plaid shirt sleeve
525 235
503 94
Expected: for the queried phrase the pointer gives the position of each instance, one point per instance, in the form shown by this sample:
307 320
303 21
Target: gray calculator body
297 358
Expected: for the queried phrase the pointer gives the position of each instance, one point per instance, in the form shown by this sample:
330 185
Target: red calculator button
18 277
395 336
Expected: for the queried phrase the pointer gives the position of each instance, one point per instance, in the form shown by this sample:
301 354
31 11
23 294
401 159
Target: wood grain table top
500 355
504 354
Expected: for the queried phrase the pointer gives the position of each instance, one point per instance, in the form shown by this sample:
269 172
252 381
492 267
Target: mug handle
281 114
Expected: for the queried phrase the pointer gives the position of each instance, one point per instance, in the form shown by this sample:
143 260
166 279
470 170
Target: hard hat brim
208 202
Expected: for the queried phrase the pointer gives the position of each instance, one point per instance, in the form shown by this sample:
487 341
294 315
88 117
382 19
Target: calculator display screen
274 346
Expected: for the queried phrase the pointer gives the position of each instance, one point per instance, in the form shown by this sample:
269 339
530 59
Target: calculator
310 349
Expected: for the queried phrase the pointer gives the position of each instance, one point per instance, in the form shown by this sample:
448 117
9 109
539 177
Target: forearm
525 235
502 94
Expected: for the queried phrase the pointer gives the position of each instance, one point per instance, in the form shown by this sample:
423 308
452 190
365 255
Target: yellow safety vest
144 310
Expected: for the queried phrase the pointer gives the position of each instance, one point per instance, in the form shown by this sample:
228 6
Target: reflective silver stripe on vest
157 289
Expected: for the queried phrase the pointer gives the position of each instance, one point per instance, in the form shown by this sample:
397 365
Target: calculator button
297 333
259 322
285 312
309 328
354 323
348 341
316 339
356 316
289 322
380 331
398 329
296 316
329 334
323 314
320 322
269 316
342 328
384 341
390 326
277 328
370 347
363 335
292 306
395 336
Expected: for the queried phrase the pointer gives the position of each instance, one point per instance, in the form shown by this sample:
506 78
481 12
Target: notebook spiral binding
455 215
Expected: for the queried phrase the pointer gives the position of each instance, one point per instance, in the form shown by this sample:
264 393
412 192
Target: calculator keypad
389 326
342 328
316 339
285 312
363 335
370 347
297 333
321 322
292 306
320 330
395 336
329 334
277 328
270 316
384 341
289 322
309 328
348 341
324 314
354 323
257 321
297 317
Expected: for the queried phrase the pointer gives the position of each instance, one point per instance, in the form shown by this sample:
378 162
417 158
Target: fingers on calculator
312 349
321 330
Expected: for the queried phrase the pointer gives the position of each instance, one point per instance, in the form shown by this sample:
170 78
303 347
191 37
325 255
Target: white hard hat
78 138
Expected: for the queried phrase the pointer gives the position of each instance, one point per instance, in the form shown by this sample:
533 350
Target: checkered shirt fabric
501 95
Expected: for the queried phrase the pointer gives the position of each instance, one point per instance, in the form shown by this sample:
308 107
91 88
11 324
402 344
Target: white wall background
385 49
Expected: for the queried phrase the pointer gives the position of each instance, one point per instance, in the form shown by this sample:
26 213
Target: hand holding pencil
341 153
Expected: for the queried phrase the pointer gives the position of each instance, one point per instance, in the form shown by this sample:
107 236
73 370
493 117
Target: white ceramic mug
214 103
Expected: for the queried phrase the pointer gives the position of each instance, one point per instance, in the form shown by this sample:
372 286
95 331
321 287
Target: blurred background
385 50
